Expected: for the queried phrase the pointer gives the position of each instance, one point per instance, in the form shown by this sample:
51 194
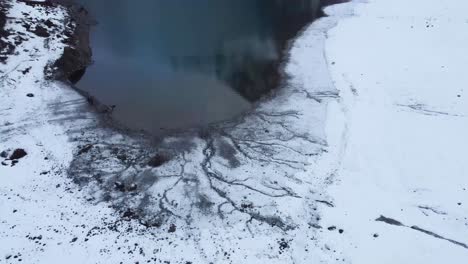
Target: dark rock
25 71
18 154
74 240
4 154
119 186
132 187
341 231
129 214
41 32
38 3
122 157
6 48
49 23
68 65
76 76
158 160
283 244
85 149
331 228
30 95
76 56
172 228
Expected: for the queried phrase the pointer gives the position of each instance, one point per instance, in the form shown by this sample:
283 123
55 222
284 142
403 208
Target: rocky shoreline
77 56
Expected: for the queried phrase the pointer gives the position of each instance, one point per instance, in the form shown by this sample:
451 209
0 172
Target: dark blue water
179 63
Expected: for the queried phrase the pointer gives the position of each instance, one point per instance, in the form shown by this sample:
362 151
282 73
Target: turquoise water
169 64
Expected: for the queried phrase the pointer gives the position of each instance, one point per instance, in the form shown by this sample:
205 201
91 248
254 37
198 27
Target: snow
399 69
370 124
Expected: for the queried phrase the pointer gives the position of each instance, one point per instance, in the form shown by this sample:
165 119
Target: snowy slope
400 68
271 187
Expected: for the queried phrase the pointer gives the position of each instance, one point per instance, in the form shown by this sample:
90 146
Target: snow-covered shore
394 152
399 66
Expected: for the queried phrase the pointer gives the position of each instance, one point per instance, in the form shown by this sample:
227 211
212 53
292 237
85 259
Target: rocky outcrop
5 47
77 55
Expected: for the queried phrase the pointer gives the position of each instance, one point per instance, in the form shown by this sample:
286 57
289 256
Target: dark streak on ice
389 221
329 204
394 222
439 236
